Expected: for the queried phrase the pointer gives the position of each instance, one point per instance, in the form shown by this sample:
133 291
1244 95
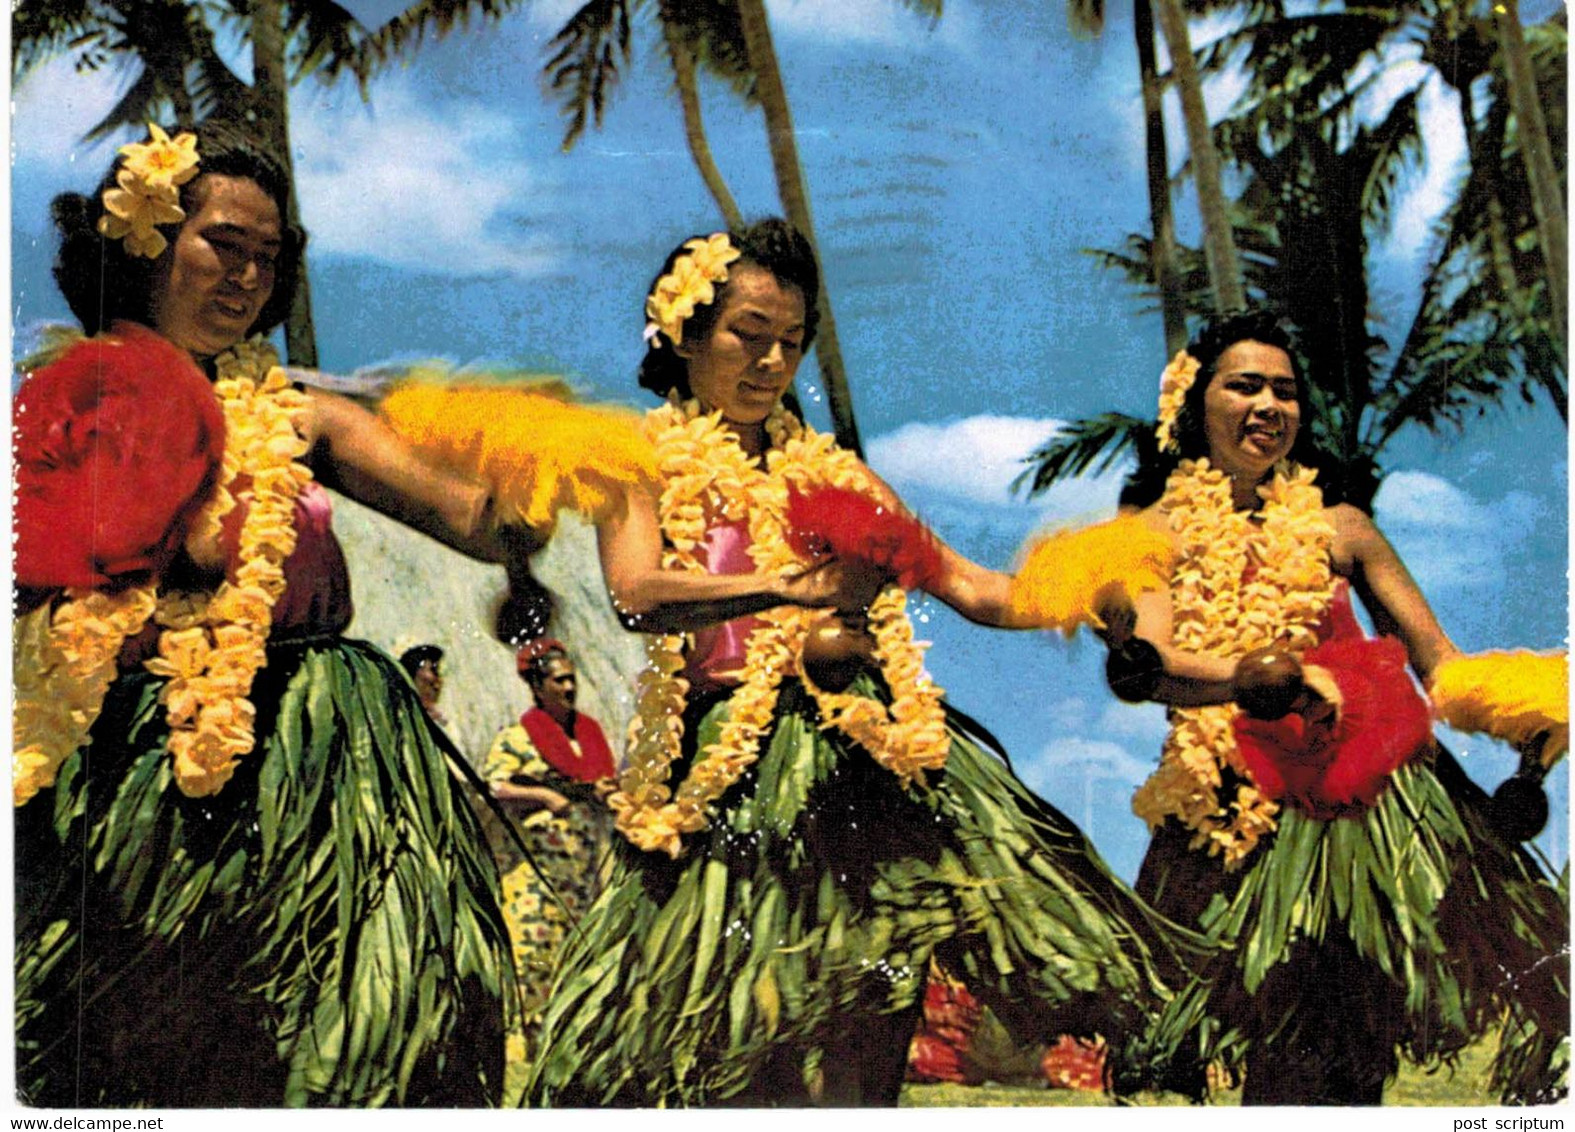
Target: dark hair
1217 335
774 245
535 670
102 283
413 658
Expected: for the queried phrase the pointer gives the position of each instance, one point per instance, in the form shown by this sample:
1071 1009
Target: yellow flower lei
1217 613
707 476
147 191
64 664
214 643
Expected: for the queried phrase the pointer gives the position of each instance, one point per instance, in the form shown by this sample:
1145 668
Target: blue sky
955 171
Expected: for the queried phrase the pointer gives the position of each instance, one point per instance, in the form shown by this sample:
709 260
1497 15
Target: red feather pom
117 446
826 522
1340 769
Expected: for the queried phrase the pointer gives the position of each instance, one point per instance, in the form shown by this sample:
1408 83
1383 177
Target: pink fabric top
316 597
1339 619
718 653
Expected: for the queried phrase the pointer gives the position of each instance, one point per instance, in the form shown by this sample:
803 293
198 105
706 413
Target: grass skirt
785 953
1411 929
324 930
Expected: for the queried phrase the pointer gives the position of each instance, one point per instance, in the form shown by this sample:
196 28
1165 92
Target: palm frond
43 29
583 69
1086 18
1075 448
1388 151
402 36
714 37
327 40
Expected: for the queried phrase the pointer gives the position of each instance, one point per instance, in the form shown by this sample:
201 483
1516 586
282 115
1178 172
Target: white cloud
870 22
1448 537
975 457
50 111
1097 758
1423 499
973 461
1145 724
416 184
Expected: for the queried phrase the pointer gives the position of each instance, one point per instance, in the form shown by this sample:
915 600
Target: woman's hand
836 649
1271 683
845 584
356 452
1320 702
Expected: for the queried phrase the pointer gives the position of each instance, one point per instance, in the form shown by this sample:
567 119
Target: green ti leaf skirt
802 924
324 930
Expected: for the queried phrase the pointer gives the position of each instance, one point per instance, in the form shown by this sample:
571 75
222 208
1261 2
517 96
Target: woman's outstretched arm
980 594
651 599
356 452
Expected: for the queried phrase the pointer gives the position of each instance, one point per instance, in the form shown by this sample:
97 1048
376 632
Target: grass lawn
1464 1084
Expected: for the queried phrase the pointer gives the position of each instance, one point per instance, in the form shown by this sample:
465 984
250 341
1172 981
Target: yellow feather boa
1513 696
1068 576
535 451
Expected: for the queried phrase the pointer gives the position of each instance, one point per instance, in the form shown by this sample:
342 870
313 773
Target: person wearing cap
549 772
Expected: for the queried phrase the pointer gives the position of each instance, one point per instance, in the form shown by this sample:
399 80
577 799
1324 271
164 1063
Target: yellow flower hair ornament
1178 378
691 283
1513 696
537 452
147 192
1068 576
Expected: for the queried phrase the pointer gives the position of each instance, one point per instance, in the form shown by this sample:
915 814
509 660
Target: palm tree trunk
1167 280
1484 145
1219 249
1547 197
795 202
270 86
694 128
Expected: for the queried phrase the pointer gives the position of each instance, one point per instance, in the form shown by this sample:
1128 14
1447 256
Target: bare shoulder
1355 536
1350 521
1155 517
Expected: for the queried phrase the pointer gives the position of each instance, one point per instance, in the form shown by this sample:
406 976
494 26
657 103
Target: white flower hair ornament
147 192
1174 383
691 282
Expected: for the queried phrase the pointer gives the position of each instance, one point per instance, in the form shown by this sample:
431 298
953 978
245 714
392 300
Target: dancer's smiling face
221 269
747 361
1251 410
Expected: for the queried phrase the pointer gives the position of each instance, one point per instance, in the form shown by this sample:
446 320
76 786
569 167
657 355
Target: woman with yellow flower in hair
1371 900
246 874
803 823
